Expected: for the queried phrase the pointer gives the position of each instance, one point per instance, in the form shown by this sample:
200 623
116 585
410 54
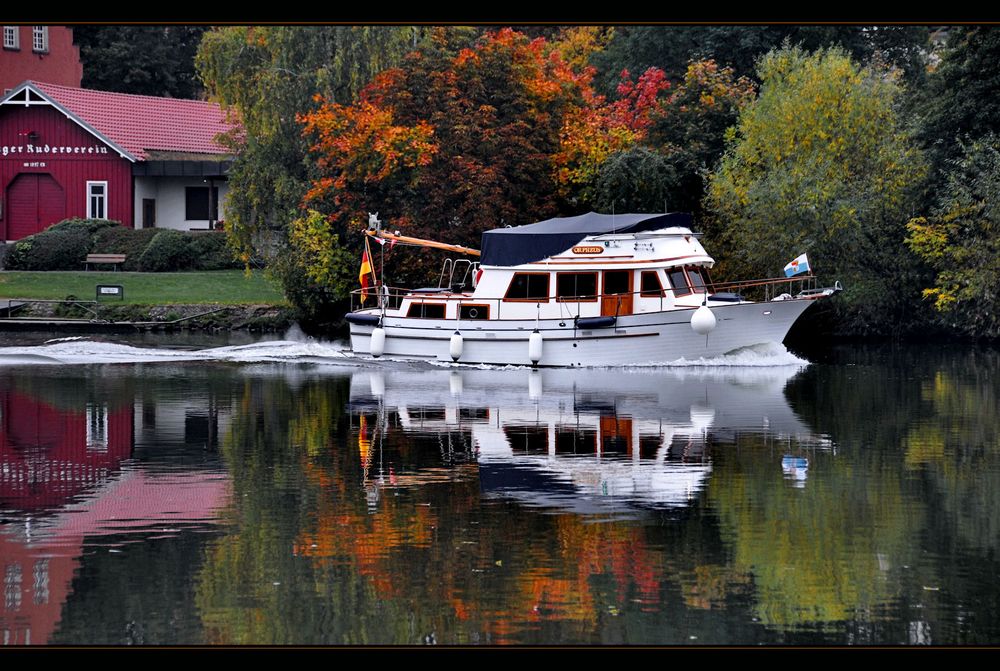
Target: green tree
962 98
821 163
635 180
961 241
635 48
149 60
689 126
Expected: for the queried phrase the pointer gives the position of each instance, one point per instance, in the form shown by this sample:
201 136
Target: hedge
64 246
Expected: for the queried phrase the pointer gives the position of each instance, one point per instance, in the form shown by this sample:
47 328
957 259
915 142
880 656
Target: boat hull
649 338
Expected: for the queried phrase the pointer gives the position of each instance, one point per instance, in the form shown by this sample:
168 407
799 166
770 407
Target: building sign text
21 150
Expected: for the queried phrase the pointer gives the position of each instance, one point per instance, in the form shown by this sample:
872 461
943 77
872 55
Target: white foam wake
766 354
83 351
66 351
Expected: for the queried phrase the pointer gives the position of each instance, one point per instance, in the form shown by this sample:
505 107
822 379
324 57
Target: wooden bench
98 259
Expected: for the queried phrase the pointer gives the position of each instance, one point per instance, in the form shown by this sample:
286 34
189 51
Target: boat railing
457 274
763 290
766 290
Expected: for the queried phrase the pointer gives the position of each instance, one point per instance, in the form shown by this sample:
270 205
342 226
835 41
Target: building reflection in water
68 481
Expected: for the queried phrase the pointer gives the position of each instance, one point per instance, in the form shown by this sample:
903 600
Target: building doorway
34 201
148 212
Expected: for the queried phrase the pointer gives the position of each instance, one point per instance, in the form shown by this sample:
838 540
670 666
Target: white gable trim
26 94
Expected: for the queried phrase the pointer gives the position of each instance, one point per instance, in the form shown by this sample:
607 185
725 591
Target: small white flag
798 266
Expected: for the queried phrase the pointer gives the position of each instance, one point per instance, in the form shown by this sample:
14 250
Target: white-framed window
97 427
40 38
11 37
97 200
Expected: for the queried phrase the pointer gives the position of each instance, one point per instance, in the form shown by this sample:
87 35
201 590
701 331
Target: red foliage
454 141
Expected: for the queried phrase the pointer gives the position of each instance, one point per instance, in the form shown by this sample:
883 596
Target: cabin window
527 439
678 280
650 286
573 440
576 286
617 282
474 414
474 311
528 287
426 310
697 279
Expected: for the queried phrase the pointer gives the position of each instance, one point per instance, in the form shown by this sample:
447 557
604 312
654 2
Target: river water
173 491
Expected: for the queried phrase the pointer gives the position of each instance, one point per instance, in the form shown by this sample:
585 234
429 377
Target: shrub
210 251
127 241
64 246
63 249
92 226
168 251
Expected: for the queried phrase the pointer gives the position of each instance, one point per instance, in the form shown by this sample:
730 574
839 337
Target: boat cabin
595 266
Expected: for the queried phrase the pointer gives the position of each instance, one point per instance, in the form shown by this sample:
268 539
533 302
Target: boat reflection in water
607 442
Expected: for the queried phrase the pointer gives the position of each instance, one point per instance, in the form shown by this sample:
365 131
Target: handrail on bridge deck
762 290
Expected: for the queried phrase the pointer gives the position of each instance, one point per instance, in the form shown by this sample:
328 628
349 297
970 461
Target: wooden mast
420 242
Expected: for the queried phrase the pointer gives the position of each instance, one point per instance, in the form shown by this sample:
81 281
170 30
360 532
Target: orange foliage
360 142
458 141
601 129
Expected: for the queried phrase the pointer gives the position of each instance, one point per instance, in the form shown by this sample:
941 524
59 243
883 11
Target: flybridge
534 242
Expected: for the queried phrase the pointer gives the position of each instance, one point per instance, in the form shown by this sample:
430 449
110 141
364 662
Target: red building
141 160
45 53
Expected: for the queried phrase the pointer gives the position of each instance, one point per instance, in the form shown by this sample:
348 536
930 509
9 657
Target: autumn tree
265 77
451 143
609 142
961 241
821 163
601 129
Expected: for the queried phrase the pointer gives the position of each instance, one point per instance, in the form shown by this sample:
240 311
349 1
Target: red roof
139 124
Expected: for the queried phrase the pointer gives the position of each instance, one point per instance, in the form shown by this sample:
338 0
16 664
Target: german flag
366 269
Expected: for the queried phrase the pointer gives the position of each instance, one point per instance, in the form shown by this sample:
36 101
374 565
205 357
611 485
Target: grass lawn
223 286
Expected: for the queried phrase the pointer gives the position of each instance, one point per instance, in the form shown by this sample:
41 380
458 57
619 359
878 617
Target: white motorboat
590 290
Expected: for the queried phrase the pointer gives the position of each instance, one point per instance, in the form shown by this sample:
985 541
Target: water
167 491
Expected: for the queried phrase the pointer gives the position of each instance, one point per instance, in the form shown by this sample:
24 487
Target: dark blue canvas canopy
524 244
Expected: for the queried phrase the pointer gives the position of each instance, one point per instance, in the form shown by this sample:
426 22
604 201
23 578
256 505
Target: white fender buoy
702 416
376 381
703 320
455 383
534 385
455 346
378 341
535 347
